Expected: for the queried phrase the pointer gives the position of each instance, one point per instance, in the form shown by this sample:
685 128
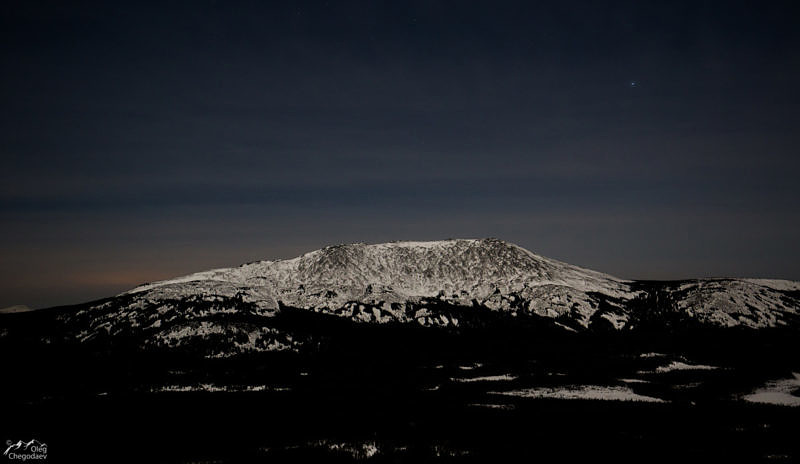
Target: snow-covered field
781 392
581 392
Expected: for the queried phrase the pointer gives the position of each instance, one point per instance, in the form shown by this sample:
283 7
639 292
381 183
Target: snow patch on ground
634 381
778 392
505 407
582 392
470 367
355 450
679 366
209 387
652 355
486 378
618 321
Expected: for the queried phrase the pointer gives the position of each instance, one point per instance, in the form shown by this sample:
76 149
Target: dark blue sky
144 141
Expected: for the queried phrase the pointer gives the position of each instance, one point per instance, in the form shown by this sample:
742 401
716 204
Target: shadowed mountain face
451 285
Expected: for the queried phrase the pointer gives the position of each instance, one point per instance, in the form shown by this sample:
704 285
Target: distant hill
15 309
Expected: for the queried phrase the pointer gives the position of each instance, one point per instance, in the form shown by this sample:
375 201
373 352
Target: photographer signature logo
26 450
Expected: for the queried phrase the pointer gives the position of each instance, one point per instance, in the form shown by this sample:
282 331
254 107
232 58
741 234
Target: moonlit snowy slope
451 284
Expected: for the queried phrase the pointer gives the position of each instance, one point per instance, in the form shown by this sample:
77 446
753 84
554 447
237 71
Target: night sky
651 140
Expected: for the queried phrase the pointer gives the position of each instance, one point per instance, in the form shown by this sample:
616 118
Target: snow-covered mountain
453 284
387 276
